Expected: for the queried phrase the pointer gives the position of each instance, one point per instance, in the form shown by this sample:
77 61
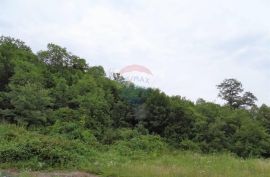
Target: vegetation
231 89
56 112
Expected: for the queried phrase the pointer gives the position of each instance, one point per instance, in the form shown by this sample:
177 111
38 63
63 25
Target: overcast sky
189 45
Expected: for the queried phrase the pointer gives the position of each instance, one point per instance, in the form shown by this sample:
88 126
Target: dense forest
54 93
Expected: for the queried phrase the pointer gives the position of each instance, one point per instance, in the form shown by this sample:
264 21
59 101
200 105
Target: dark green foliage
97 71
223 129
250 140
181 120
156 110
59 58
263 115
12 52
144 144
231 91
71 107
30 104
10 42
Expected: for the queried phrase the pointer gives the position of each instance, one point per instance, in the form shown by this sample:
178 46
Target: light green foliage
73 116
30 103
20 148
145 144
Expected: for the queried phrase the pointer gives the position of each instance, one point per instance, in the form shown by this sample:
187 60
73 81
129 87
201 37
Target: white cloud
190 45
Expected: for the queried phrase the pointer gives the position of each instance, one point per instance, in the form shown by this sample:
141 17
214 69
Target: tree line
57 91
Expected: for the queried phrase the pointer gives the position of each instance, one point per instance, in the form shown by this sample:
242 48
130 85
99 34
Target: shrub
142 144
73 131
111 136
189 145
16 144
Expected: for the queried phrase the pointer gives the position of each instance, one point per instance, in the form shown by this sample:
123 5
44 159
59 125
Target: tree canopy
231 90
57 92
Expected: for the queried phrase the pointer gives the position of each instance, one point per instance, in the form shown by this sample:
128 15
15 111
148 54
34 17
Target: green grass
177 164
184 164
144 156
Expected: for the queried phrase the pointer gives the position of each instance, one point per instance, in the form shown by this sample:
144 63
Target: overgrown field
133 156
187 164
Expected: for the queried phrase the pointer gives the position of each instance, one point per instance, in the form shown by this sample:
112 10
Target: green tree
251 140
59 58
231 91
248 99
156 111
263 116
11 51
31 104
97 71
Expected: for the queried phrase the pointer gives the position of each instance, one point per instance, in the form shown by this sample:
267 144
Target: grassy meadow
177 164
185 164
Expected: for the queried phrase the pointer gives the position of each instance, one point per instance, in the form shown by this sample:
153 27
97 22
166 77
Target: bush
111 136
142 144
189 145
16 144
73 131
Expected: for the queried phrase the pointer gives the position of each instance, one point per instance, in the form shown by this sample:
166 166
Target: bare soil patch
14 173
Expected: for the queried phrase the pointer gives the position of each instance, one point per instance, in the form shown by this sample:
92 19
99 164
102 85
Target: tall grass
139 156
188 164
